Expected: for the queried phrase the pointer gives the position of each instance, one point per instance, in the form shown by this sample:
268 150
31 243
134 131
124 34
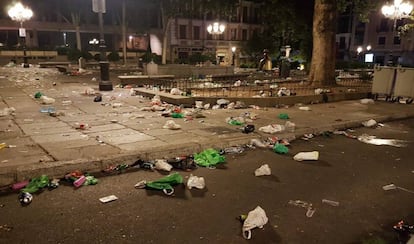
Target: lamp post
21 14
233 51
398 10
216 29
98 6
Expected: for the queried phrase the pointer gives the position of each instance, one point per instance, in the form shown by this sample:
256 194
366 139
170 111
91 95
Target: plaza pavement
120 132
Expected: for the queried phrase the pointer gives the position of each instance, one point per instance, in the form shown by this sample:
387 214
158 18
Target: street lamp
21 14
216 28
99 6
233 51
398 10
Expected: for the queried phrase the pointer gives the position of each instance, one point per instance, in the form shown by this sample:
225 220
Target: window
342 43
244 35
233 34
397 40
381 40
183 32
383 25
245 20
196 33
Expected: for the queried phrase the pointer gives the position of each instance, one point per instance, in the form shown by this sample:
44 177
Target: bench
141 80
52 64
64 69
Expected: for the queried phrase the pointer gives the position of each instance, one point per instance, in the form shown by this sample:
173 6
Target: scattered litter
255 219
248 129
209 157
377 141
330 202
108 199
290 126
273 128
283 116
345 133
394 187
166 183
89 91
176 91
306 137
195 181
280 148
263 170
47 100
81 126
38 95
308 206
98 98
66 102
117 105
6 228
259 143
232 150
304 108
161 164
369 123
314 155
7 111
367 101
170 124
19 185
36 184
25 198
235 120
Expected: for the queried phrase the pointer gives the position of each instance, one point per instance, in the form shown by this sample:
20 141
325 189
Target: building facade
379 37
72 23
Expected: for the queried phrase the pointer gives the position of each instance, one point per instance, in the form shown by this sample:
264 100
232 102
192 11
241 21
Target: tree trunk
165 41
322 70
78 38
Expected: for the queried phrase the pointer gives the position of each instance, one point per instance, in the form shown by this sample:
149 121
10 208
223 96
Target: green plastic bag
235 122
177 115
283 116
280 148
36 184
90 180
38 95
166 183
209 157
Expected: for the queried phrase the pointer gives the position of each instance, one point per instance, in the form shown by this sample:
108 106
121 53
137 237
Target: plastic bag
36 184
255 218
280 148
162 164
314 155
271 129
263 170
209 157
166 183
195 181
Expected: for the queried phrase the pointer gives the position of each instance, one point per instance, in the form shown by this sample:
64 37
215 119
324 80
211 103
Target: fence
256 86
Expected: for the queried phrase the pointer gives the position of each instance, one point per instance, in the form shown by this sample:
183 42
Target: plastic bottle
80 181
329 202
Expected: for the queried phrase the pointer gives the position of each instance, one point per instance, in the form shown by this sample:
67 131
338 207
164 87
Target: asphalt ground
348 171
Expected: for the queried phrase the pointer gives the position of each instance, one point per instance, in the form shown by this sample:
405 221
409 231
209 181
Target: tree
322 70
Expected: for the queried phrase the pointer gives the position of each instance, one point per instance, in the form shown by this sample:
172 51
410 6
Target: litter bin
404 84
383 81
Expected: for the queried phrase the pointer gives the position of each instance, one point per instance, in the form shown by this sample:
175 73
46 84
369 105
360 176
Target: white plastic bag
170 124
314 155
161 164
271 129
47 100
263 170
195 181
369 123
255 218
